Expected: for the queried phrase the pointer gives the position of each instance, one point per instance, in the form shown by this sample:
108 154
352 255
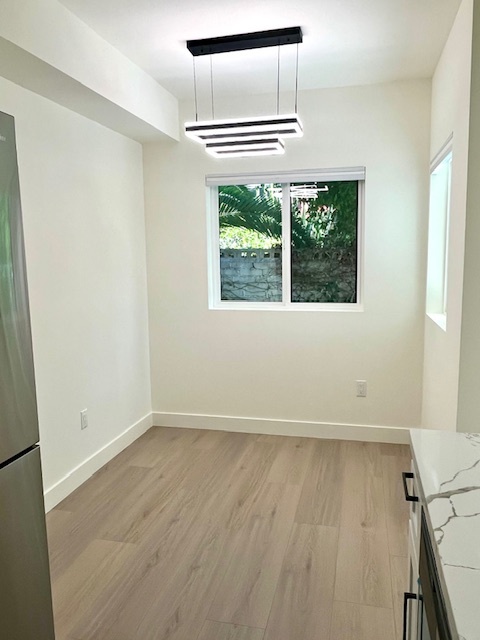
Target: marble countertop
448 468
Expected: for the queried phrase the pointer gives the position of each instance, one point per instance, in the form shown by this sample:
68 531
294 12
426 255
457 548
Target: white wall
450 114
298 365
82 198
48 32
469 377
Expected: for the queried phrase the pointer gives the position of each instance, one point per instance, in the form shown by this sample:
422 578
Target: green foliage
240 238
327 221
251 207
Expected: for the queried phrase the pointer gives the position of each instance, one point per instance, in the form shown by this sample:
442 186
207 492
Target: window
286 241
438 228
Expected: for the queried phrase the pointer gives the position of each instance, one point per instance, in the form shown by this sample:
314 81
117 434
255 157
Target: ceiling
346 42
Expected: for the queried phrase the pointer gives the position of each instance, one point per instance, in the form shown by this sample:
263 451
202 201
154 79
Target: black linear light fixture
258 135
256 147
244 41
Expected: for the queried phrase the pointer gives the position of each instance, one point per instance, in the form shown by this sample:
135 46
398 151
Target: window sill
440 319
278 306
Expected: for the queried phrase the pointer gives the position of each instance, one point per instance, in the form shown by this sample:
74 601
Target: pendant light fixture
288 126
255 147
248 136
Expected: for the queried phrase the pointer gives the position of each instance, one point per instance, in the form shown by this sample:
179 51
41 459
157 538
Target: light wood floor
205 535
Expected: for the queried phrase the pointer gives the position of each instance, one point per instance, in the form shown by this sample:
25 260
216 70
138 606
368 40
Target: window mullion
286 245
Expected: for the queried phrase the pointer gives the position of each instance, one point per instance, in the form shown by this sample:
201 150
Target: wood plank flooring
207 535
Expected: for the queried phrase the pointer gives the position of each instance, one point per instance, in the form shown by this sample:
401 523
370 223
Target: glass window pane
250 235
324 241
440 185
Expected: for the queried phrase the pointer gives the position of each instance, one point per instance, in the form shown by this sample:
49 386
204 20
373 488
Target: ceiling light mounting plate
244 41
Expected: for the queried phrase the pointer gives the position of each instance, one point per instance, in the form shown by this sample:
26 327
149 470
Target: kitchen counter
448 477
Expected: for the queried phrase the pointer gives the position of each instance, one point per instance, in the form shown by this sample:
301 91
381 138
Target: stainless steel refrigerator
25 594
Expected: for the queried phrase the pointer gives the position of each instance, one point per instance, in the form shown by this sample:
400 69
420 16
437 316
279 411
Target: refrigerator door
25 595
18 409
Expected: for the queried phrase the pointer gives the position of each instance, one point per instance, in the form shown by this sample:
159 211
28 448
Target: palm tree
327 221
251 208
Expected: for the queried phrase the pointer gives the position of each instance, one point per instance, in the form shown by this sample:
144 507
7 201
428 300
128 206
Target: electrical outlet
83 419
361 388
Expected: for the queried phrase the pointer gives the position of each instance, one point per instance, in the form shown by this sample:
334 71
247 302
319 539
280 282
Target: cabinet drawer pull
408 497
406 597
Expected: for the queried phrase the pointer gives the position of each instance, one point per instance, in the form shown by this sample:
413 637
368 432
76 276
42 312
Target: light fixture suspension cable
195 89
296 83
252 135
211 87
278 80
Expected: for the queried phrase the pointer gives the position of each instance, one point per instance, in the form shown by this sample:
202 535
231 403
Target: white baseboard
361 432
77 476
81 473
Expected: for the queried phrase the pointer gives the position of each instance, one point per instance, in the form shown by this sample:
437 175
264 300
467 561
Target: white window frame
437 310
285 178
